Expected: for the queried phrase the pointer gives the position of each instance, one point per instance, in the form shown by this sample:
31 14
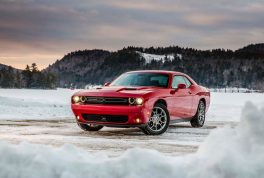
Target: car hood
117 91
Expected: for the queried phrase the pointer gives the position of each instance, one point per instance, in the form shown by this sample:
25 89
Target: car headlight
136 101
76 99
139 101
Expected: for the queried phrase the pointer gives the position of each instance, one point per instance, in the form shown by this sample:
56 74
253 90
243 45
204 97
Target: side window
159 80
188 83
177 79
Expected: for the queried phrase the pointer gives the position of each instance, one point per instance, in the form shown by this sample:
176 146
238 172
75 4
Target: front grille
105 100
105 118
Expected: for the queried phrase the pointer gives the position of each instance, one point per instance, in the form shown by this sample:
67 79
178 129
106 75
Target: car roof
157 71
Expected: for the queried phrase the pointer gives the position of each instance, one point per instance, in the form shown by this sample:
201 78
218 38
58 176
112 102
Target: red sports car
148 99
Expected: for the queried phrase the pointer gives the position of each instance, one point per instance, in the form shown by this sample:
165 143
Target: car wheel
158 122
199 118
90 127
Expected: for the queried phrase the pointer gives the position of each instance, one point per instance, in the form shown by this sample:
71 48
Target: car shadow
116 132
106 132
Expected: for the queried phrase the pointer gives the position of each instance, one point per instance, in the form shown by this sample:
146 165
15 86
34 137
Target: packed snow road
179 138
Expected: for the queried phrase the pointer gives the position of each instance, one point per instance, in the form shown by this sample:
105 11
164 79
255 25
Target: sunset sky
43 31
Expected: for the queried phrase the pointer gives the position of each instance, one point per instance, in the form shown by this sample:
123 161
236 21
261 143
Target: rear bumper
136 115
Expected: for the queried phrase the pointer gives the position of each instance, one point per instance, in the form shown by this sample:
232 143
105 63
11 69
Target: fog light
138 120
82 99
78 117
132 100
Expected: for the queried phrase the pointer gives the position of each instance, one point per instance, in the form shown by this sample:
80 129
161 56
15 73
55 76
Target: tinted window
177 80
142 79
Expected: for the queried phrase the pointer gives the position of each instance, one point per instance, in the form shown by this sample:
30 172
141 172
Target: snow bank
227 152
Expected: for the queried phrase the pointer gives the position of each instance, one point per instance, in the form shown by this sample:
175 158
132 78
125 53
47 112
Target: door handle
189 92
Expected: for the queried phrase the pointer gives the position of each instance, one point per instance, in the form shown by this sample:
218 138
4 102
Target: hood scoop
129 89
121 89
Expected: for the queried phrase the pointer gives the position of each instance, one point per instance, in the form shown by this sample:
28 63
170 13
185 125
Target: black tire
144 130
199 118
89 127
163 120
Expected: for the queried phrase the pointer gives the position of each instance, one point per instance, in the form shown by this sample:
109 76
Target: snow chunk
227 152
150 57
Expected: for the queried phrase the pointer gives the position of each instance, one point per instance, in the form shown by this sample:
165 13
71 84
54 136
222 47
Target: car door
191 91
182 98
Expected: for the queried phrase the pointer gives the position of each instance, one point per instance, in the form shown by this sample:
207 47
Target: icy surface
20 104
227 152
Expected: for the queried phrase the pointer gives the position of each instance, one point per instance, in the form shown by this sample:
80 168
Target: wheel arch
203 100
162 101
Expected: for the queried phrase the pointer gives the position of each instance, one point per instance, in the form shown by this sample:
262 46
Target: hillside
212 68
80 67
252 49
9 76
3 66
30 77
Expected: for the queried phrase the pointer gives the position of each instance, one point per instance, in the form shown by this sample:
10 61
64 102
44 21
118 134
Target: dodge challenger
147 99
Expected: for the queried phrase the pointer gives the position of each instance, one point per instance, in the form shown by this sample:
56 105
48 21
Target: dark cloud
43 30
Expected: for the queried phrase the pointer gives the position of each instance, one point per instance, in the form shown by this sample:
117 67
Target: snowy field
35 104
38 138
21 104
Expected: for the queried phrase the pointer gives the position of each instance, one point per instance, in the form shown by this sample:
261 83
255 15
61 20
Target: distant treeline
218 68
30 77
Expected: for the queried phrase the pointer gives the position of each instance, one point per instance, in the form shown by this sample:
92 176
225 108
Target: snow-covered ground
226 152
17 104
228 106
38 138
179 139
35 104
154 57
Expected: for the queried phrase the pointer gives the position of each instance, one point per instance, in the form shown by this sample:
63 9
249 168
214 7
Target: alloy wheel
158 119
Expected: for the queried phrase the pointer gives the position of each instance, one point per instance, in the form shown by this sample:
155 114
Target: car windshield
142 79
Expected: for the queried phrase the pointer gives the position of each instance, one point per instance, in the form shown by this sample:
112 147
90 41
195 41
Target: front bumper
136 115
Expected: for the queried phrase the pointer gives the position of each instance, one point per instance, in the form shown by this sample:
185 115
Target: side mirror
181 86
107 84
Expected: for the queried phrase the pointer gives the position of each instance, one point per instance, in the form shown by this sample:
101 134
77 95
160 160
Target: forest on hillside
30 77
218 68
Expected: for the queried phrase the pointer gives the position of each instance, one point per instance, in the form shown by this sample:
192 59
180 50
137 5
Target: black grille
104 100
105 118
